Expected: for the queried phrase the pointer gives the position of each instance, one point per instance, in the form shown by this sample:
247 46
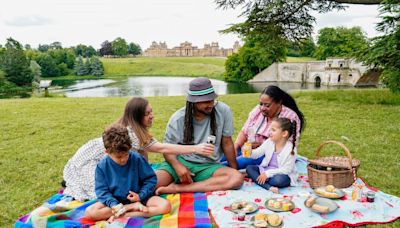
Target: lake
162 86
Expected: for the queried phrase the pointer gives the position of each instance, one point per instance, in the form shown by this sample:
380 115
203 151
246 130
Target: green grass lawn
165 66
299 59
39 135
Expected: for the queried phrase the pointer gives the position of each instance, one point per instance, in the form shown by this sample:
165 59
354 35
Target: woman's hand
204 149
133 197
262 178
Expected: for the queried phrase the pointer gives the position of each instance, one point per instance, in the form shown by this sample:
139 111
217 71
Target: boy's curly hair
116 139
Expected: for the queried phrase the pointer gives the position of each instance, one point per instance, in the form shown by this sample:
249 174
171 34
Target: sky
91 22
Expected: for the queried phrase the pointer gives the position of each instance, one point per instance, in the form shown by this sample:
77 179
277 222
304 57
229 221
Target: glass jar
370 196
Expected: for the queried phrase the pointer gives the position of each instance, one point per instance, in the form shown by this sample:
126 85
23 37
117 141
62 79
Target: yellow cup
246 150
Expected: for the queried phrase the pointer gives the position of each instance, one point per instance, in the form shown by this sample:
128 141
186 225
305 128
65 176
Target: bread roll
260 216
274 220
320 208
310 201
330 188
331 194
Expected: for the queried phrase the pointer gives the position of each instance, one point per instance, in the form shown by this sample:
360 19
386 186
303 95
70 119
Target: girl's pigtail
293 128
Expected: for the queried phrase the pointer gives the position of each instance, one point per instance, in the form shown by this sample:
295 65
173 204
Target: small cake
277 205
286 206
330 188
249 208
271 203
274 220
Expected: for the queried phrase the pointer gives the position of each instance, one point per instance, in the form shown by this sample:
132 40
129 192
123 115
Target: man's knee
163 178
235 179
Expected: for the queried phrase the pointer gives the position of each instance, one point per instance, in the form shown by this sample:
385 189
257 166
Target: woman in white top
138 118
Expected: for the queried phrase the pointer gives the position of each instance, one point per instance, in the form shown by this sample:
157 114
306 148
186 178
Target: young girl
277 169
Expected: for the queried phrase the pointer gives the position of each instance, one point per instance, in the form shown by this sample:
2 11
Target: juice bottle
246 150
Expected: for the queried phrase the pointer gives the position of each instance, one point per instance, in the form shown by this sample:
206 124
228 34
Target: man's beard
204 112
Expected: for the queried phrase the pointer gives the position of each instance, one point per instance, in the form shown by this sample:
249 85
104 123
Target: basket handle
346 150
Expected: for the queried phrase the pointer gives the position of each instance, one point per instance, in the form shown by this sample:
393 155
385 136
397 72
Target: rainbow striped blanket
187 210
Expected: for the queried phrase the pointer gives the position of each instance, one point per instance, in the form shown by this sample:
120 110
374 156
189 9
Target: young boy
124 182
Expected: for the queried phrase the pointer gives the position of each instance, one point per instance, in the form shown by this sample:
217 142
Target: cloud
27 21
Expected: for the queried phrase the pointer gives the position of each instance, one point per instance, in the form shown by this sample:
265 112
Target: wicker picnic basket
339 171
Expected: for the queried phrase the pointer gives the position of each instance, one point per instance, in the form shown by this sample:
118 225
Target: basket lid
335 162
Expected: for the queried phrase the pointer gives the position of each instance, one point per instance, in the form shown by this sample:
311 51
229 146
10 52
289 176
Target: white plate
292 206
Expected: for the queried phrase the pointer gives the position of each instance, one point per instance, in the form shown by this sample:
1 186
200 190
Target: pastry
331 194
274 220
260 223
330 188
310 201
260 216
320 208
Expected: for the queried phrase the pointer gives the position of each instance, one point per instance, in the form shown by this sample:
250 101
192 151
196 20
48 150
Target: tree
36 72
96 66
55 45
48 65
134 49
106 48
258 52
80 67
384 53
340 42
84 51
119 47
15 64
304 48
43 48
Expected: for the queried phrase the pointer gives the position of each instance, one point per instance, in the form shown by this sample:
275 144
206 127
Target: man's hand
204 149
184 174
262 178
133 197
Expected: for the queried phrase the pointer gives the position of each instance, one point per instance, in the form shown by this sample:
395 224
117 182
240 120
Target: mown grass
38 136
299 59
165 66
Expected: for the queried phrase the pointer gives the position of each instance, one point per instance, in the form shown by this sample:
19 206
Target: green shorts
202 171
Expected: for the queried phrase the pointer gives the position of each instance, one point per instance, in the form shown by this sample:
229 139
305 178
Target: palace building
186 49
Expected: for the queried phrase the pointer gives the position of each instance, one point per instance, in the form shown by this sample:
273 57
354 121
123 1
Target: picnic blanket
187 210
386 208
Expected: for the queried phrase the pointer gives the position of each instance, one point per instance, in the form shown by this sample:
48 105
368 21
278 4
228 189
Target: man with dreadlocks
201 117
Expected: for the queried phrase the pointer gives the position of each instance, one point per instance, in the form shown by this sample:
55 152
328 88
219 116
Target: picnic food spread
247 207
279 204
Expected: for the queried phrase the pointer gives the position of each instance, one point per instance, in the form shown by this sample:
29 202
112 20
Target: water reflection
140 86
169 86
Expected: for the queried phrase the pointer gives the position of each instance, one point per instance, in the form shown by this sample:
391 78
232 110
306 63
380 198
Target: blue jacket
113 181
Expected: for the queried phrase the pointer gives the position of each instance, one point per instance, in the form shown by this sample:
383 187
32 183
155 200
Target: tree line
22 67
